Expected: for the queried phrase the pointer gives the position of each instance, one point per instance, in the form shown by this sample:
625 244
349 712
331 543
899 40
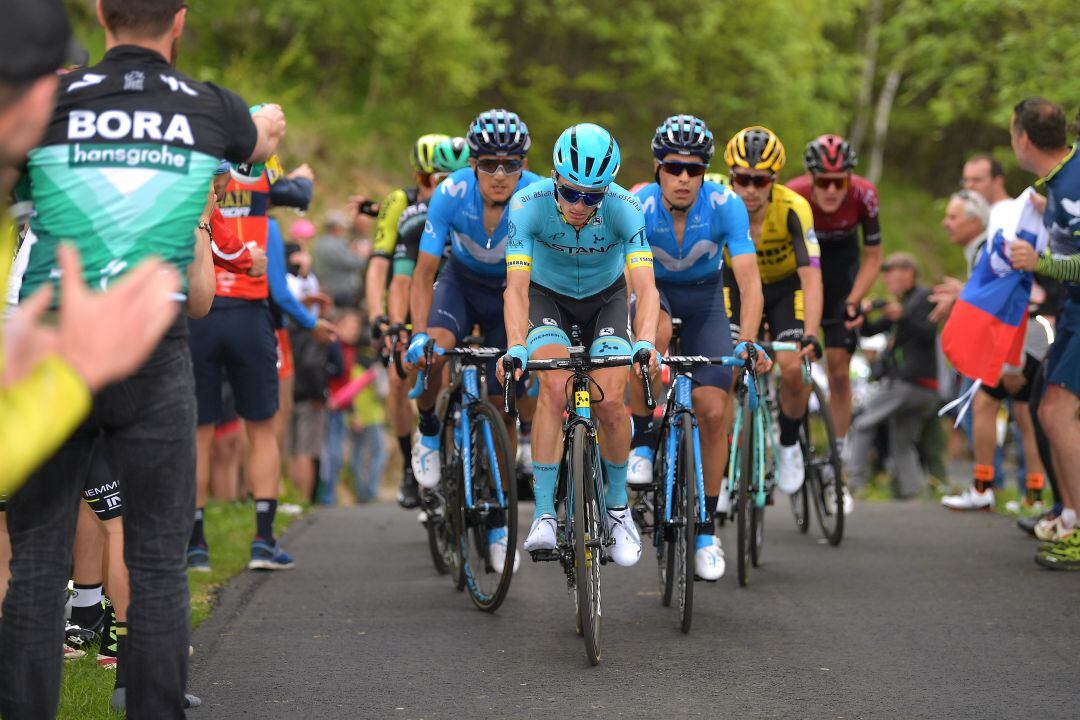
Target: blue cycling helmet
498 132
587 155
685 135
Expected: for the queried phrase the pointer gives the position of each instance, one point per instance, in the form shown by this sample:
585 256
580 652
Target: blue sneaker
198 558
265 556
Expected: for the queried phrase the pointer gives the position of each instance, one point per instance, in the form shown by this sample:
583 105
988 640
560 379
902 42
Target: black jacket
912 351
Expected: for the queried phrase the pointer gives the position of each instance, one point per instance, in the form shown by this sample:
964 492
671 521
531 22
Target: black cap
36 39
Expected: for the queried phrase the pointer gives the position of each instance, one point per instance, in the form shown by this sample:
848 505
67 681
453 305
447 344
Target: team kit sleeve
408 246
632 227
386 226
800 222
437 227
736 223
519 239
240 131
868 215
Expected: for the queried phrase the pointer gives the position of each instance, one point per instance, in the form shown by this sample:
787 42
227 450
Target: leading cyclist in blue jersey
689 222
469 210
570 239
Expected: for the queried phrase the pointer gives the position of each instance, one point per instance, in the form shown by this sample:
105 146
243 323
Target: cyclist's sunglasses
490 166
678 168
827 182
758 181
571 196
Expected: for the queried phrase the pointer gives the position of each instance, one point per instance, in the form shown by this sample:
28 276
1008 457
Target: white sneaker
627 548
425 463
639 467
541 534
790 471
970 499
497 552
709 559
1050 529
723 501
524 454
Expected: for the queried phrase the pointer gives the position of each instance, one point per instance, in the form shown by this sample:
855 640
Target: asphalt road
920 613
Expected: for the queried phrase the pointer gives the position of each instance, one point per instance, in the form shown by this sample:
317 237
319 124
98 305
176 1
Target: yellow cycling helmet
757 148
424 150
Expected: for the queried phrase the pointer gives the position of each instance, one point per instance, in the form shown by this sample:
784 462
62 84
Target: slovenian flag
986 327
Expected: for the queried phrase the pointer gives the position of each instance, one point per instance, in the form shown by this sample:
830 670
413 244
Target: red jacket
229 253
244 212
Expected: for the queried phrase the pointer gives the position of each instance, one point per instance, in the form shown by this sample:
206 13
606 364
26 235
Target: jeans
905 407
146 425
333 456
367 474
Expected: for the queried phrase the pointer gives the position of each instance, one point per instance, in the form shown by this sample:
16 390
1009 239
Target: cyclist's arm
404 264
397 301
639 262
202 279
378 269
871 252
432 243
519 258
751 299
808 262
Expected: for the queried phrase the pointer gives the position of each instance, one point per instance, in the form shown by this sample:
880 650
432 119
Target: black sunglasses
590 198
758 181
678 168
490 166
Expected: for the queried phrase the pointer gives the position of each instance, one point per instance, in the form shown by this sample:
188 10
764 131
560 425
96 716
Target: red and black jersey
837 232
245 212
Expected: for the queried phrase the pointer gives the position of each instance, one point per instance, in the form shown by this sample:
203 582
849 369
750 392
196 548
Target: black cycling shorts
784 308
102 489
603 320
838 277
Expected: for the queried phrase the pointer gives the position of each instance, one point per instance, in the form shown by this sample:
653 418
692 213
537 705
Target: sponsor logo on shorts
550 321
606 331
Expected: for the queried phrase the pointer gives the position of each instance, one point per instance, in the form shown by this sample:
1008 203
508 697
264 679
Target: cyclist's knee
791 375
710 417
609 414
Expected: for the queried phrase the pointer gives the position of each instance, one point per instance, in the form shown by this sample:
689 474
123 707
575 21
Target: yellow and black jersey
386 227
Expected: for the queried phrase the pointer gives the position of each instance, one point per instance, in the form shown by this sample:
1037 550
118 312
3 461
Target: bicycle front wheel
588 536
686 543
745 467
664 534
492 515
824 471
443 530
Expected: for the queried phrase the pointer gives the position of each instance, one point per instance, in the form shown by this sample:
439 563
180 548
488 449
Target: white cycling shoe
497 551
790 471
425 462
970 499
639 467
541 534
627 548
709 558
830 498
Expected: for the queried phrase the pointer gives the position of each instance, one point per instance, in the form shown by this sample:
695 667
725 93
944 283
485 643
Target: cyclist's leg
1058 409
838 275
838 364
784 310
643 440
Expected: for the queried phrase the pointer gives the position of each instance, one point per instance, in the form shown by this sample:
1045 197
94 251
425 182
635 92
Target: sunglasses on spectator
825 183
590 198
758 181
490 166
676 169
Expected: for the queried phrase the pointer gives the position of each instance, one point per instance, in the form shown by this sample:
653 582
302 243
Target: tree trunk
872 38
881 117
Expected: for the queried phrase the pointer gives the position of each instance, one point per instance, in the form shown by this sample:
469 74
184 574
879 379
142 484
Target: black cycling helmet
685 135
498 132
831 154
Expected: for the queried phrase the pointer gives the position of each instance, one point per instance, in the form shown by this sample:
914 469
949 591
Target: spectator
337 418
337 264
314 365
983 174
907 395
1039 142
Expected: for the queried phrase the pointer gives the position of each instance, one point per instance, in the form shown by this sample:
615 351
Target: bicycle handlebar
576 363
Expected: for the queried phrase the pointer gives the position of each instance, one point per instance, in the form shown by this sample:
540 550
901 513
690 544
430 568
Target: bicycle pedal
543 555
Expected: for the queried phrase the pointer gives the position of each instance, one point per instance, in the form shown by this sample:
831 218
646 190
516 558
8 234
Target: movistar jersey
125 166
456 211
572 262
1062 216
717 219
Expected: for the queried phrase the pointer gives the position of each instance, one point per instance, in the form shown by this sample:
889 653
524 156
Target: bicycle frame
680 402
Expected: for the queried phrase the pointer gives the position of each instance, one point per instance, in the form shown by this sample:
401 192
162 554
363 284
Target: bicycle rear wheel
825 472
800 509
757 533
687 505
745 467
588 537
493 467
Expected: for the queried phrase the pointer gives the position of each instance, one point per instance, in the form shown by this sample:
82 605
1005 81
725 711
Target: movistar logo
716 199
142 155
454 189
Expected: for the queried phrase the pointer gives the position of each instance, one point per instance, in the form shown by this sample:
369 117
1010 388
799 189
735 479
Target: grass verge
87 689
